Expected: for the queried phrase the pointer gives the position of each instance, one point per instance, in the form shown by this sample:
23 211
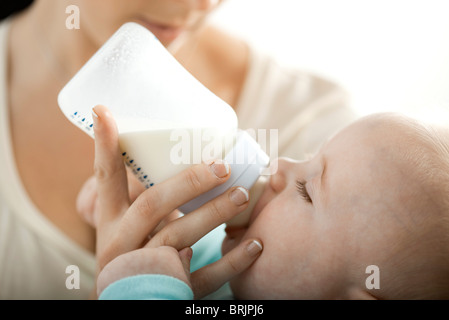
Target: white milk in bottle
157 150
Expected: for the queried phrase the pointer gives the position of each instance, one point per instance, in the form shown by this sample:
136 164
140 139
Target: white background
391 55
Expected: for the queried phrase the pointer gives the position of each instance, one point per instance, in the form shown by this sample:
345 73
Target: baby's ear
356 293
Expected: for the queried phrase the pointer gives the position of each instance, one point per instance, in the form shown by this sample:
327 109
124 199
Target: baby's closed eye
302 190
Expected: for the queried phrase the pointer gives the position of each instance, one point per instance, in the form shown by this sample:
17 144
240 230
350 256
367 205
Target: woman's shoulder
244 75
280 78
224 49
250 68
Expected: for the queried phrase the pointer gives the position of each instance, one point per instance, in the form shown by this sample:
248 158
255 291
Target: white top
34 253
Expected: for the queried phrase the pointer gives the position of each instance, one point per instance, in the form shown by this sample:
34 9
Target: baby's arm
148 287
164 273
148 273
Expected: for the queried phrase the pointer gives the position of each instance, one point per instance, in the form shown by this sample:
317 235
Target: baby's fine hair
426 151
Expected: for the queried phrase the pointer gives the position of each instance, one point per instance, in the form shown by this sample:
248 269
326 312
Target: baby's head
375 194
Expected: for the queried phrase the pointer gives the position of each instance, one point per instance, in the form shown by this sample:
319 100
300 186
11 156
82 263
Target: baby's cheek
271 276
254 283
282 231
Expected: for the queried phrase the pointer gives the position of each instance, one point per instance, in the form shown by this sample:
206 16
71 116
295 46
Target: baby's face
324 221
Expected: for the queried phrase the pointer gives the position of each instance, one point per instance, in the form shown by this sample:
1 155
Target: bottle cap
247 161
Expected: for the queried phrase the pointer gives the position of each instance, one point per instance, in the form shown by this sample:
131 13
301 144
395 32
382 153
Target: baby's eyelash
301 187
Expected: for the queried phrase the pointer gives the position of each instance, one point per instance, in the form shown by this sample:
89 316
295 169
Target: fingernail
94 116
94 113
220 168
239 196
254 248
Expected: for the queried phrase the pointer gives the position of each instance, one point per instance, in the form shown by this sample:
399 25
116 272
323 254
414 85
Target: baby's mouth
235 231
234 236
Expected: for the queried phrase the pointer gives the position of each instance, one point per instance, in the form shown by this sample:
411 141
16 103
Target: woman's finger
156 203
110 172
211 277
186 231
135 187
86 201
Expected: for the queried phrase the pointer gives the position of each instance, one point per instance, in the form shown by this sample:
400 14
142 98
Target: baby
371 204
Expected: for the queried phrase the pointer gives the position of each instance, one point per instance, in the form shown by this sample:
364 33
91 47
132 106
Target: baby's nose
284 168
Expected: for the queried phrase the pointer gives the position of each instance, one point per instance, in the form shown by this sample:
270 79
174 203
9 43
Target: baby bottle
166 119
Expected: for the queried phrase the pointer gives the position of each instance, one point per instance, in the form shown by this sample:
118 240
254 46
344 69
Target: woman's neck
44 38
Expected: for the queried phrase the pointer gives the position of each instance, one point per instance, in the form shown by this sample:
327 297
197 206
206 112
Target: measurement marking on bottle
137 170
87 126
82 122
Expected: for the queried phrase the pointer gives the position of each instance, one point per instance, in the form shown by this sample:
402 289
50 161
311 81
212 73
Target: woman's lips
165 33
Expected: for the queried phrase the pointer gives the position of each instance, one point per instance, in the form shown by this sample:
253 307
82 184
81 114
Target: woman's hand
87 200
124 226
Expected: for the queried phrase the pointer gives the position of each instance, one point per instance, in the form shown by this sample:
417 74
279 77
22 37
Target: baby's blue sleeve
163 287
208 249
147 287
